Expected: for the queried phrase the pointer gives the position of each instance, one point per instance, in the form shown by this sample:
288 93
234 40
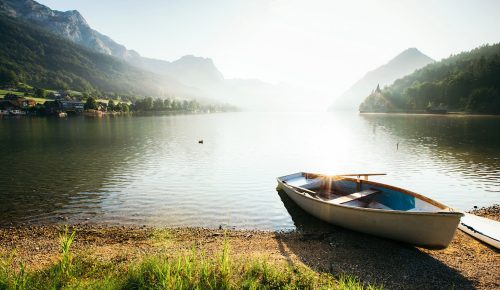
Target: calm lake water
151 170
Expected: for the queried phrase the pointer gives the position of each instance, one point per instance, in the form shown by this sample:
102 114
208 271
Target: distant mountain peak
191 56
29 9
411 50
410 53
192 59
198 70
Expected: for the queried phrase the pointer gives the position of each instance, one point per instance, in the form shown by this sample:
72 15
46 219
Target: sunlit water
151 170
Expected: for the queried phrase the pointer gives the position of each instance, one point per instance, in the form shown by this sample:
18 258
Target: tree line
145 104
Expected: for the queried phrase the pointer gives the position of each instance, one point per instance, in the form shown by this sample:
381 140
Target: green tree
111 105
158 104
484 100
40 93
124 108
8 77
167 104
176 106
148 103
194 106
91 104
185 105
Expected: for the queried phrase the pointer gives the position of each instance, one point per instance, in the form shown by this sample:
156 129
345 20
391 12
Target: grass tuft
66 259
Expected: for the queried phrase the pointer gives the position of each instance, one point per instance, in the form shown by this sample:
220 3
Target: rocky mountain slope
190 70
35 56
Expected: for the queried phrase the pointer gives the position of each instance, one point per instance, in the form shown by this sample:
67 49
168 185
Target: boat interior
357 192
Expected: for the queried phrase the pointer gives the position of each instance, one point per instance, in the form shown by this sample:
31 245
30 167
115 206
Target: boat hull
425 229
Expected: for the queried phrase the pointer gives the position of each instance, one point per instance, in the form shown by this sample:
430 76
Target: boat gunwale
452 212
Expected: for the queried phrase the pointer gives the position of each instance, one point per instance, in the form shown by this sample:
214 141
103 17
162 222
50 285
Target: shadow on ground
327 248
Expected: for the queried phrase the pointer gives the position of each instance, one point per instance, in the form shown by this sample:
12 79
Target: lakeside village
29 101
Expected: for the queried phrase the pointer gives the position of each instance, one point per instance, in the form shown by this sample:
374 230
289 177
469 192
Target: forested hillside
469 81
35 56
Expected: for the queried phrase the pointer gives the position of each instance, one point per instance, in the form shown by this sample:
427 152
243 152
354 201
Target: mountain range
403 64
188 76
73 26
39 58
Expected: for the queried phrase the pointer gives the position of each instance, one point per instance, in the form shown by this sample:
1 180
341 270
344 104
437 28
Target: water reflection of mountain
58 165
470 142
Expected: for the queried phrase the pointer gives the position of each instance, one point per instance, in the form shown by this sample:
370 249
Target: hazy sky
322 44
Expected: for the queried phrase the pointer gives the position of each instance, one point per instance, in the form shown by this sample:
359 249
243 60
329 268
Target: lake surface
151 170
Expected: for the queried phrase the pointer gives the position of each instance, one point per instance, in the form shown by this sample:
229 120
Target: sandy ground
465 264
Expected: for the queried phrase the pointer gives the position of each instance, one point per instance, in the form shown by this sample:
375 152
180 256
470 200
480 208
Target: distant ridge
403 64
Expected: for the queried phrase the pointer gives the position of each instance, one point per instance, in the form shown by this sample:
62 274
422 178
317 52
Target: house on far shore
60 94
433 109
15 105
63 106
5 108
19 101
8 107
102 106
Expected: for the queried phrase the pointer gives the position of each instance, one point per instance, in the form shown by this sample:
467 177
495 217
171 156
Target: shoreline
449 114
465 264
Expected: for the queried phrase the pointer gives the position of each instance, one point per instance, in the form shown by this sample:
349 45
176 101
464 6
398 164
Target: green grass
188 270
4 92
37 100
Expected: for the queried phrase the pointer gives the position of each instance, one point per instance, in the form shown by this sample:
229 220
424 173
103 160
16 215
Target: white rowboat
373 208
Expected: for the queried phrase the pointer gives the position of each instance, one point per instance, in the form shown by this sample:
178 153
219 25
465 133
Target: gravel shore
465 264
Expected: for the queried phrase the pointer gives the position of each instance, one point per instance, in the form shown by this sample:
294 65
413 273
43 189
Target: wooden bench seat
353 196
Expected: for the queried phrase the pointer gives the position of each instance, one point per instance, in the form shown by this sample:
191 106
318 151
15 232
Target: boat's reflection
303 221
